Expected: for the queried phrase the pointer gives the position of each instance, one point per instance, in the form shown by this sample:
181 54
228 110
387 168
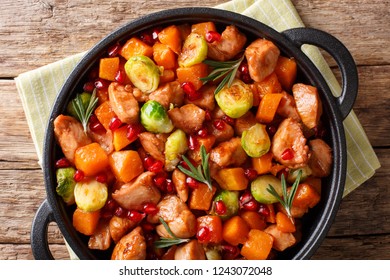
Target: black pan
315 224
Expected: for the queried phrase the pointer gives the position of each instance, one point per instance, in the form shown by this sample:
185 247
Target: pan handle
342 56
39 240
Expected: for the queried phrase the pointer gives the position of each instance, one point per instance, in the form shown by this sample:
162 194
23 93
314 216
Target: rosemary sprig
84 112
288 198
168 242
202 173
226 69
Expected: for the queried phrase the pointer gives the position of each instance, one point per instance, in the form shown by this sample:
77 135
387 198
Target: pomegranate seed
207 115
88 87
101 177
147 226
62 163
263 210
148 162
244 68
246 78
156 167
111 205
120 76
170 186
220 207
288 154
212 36
114 50
203 234
271 129
133 130
160 182
102 84
150 208
219 124
228 120
193 143
135 216
115 123
230 252
96 127
147 38
251 174
203 132
251 205
78 176
184 165
192 183
190 90
155 33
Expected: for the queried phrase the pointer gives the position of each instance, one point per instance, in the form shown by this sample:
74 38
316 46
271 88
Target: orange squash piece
192 74
271 218
283 223
267 107
108 68
263 164
253 219
120 140
164 56
286 71
171 36
306 196
85 222
232 179
203 27
91 159
235 231
126 165
104 113
168 75
315 182
135 46
201 197
214 224
258 245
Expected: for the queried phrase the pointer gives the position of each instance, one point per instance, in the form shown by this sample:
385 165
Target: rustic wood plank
23 252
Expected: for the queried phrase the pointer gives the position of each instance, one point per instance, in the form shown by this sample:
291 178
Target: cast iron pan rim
187 15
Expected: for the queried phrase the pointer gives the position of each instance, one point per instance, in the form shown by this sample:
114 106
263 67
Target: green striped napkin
38 88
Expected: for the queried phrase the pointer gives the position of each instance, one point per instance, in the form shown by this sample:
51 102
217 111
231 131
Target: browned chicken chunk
135 194
188 118
282 240
153 145
123 102
119 227
244 123
289 144
169 93
221 135
104 139
207 101
193 250
321 158
231 43
287 107
70 135
262 56
101 238
229 153
179 181
132 246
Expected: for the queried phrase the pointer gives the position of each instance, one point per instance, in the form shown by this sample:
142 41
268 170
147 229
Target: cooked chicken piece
308 103
221 135
193 250
119 227
153 145
262 56
231 43
244 123
101 239
131 246
188 118
169 93
123 103
135 194
170 253
179 181
287 107
229 153
208 142
217 113
70 135
104 139
282 240
177 215
289 144
321 158
207 101
139 95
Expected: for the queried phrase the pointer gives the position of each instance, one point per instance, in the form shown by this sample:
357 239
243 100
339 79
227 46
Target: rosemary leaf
84 113
168 242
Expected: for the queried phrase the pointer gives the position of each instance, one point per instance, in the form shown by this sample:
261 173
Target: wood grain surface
37 32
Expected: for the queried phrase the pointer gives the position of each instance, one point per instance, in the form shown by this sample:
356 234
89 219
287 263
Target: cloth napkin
38 88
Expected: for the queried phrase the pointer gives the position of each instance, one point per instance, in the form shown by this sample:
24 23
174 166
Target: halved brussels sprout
66 184
230 199
143 73
293 174
154 118
235 100
255 141
85 98
175 147
261 184
90 195
194 50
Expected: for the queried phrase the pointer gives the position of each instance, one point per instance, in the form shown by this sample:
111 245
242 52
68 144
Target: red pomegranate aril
147 226
263 210
115 123
192 183
133 130
120 76
62 163
159 181
102 84
88 87
203 234
101 177
193 143
156 167
246 78
170 187
251 205
219 124
120 212
190 90
114 50
229 251
244 69
220 207
203 132
135 216
212 36
150 208
111 205
147 38
271 129
228 120
250 173
148 162
288 154
208 116
96 127
78 176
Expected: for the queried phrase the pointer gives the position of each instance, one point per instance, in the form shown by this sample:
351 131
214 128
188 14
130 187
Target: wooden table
35 33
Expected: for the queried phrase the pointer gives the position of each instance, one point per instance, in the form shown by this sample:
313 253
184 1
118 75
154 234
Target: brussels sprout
213 253
230 199
66 184
154 118
235 100
261 184
175 147
143 73
90 195
255 141
293 174
194 50
85 98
